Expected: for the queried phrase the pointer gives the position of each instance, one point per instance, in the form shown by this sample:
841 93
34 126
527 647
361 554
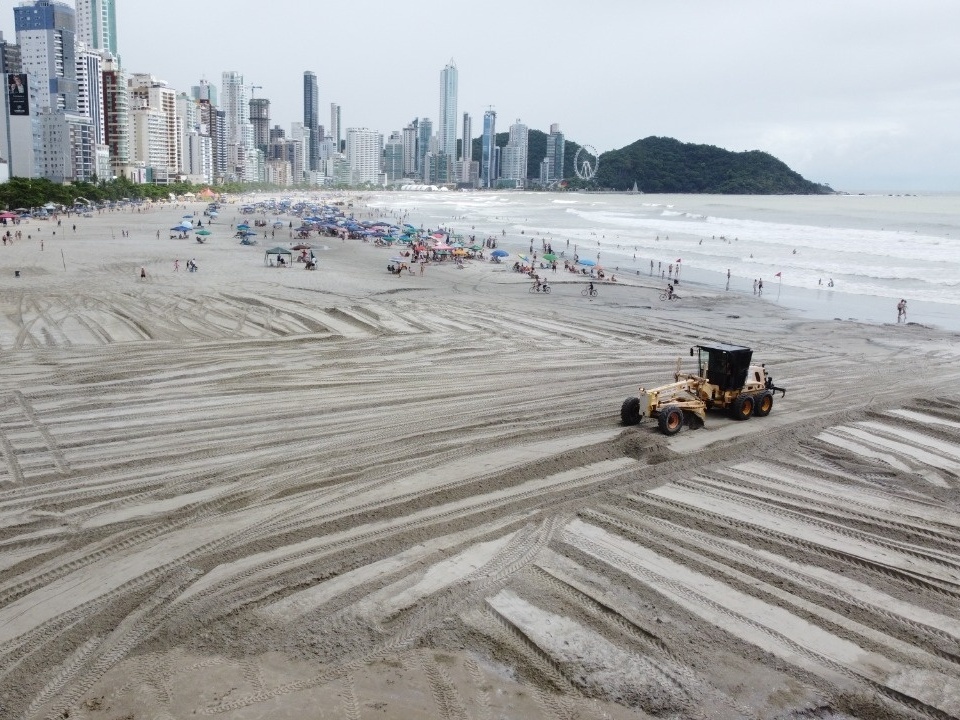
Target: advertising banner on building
17 92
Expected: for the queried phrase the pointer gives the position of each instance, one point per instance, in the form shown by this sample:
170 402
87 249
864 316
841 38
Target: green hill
665 165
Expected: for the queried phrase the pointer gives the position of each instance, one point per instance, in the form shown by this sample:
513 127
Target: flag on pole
777 275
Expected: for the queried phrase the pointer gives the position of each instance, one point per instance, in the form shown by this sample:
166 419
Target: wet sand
253 492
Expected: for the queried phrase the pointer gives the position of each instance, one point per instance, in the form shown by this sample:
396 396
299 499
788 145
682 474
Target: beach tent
278 251
207 193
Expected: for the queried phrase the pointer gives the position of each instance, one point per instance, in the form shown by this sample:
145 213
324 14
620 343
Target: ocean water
876 248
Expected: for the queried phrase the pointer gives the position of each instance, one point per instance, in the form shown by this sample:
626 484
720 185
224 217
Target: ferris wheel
586 162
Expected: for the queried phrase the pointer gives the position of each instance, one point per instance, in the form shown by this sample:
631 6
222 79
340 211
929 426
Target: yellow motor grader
725 380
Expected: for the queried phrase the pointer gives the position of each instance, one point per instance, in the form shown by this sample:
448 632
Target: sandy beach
257 492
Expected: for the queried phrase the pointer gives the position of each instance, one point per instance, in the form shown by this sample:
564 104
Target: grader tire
670 420
630 411
743 407
764 404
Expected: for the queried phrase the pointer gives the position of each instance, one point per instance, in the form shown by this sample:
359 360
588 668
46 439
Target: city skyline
862 95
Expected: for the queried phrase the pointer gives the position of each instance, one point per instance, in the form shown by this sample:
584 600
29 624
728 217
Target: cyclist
669 291
590 289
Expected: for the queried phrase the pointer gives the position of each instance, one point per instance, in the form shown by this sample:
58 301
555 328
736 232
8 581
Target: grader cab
725 379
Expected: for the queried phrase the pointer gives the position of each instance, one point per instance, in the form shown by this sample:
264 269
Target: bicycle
542 288
592 292
664 296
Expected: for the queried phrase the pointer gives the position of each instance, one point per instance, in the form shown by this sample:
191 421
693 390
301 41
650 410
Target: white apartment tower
513 160
447 127
364 149
97 25
242 164
161 154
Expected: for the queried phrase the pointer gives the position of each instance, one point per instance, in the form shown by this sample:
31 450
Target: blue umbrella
499 253
182 228
588 263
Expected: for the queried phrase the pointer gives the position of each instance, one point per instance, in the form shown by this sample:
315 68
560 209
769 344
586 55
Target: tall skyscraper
260 119
97 25
115 115
447 129
424 134
466 154
311 117
241 153
393 156
410 150
46 33
551 168
514 157
488 150
364 150
335 126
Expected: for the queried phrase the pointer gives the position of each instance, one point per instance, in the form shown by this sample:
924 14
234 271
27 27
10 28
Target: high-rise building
514 156
335 126
260 119
393 156
10 63
488 150
410 150
364 149
97 25
155 104
551 169
311 116
447 128
242 163
466 152
115 116
46 33
424 135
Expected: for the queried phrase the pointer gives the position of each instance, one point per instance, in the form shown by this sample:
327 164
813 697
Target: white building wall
364 149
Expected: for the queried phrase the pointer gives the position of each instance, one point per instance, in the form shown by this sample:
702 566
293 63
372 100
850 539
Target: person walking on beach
760 287
176 265
754 286
902 311
143 273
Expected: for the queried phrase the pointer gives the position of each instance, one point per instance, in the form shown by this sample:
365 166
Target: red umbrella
302 246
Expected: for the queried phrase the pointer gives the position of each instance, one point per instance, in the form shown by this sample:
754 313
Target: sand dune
253 492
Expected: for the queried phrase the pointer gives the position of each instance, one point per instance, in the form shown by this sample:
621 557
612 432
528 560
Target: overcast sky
861 94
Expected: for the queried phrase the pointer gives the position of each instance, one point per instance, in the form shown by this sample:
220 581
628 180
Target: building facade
364 149
311 116
447 127
97 25
488 150
513 165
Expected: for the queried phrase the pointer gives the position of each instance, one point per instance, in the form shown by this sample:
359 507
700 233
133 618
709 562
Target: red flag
777 275
678 259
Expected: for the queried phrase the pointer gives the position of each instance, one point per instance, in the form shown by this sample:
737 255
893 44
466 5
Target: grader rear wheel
742 407
764 404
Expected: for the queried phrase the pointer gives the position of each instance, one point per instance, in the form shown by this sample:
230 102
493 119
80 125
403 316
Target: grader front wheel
670 420
630 411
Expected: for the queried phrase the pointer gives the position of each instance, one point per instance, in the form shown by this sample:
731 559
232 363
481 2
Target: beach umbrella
188 217
499 253
588 263
549 257
398 259
203 232
524 258
476 248
302 246
182 228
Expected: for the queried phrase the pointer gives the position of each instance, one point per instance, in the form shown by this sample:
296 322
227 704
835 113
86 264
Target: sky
861 94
